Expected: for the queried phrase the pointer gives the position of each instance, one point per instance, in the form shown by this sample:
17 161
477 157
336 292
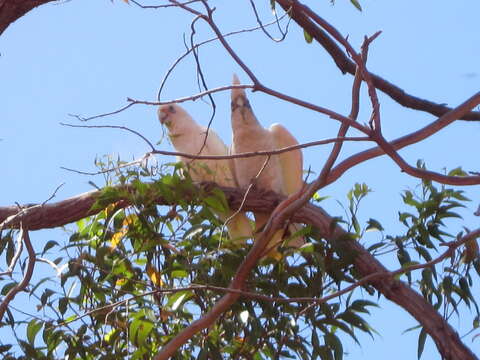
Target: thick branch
446 339
306 19
11 10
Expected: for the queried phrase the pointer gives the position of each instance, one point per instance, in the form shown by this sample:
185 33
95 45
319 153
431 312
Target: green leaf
373 225
37 285
175 300
457 172
375 246
423 252
10 250
334 342
408 199
33 328
338 324
422 337
140 329
355 320
356 4
7 288
307 36
50 244
360 305
179 274
194 230
325 353
316 197
217 201
356 225
447 285
62 305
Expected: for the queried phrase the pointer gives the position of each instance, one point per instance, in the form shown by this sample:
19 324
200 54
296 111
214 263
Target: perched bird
189 137
281 174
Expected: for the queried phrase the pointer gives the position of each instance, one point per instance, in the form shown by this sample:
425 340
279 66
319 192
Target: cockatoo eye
171 108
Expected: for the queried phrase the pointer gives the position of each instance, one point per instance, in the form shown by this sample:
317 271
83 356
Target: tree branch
307 20
412 138
11 10
447 340
26 277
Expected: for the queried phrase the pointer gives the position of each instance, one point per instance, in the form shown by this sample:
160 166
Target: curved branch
27 276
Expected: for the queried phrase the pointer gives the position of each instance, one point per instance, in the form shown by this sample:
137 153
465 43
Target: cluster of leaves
450 283
447 284
137 276
435 208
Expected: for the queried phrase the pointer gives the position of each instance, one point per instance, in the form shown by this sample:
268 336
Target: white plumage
188 136
282 174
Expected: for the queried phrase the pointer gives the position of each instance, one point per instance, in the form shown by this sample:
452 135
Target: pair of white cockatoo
281 174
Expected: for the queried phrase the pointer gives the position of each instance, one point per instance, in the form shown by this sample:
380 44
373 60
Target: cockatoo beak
164 112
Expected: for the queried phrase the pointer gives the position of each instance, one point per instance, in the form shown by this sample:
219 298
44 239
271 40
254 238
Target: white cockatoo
282 173
188 136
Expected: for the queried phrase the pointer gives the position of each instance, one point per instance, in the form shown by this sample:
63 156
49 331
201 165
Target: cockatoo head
174 117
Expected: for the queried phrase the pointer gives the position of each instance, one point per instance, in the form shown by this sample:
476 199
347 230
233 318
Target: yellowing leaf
120 234
109 209
130 219
121 282
154 275
117 237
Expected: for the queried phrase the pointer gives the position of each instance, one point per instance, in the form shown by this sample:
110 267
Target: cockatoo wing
291 162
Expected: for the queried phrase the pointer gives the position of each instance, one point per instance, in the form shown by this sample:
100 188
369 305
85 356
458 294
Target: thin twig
189 50
262 26
112 127
58 269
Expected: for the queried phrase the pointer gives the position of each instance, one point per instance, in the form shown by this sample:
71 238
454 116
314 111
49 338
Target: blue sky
86 57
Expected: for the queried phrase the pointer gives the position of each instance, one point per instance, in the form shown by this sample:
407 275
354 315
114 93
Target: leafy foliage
447 284
136 276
